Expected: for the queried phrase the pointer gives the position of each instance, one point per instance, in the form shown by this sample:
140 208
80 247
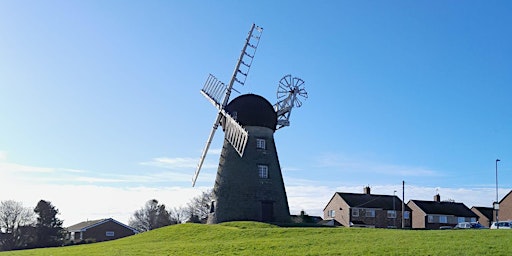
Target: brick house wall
341 210
482 218
505 211
419 217
99 233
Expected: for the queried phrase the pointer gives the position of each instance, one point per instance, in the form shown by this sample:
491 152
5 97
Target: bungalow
436 214
367 210
99 230
485 215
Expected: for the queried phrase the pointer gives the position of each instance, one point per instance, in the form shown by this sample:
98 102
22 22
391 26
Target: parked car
468 225
501 225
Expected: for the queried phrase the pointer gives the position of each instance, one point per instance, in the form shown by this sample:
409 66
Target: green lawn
251 238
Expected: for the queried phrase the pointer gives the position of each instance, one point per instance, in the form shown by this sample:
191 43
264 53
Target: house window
260 144
263 171
430 219
355 212
392 214
109 233
461 219
406 215
443 219
473 219
331 213
370 213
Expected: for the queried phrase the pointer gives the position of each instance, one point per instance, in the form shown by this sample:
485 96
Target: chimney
366 190
437 198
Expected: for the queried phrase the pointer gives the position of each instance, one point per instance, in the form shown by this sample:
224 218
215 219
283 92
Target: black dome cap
253 110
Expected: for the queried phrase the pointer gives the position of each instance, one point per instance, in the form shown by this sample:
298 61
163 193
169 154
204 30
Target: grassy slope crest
253 238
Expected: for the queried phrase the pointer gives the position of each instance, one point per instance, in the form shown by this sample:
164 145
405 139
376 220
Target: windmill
249 184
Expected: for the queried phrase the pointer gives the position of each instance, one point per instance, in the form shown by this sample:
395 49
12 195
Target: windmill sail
218 94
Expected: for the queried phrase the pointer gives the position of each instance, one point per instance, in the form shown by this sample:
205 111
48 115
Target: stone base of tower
242 191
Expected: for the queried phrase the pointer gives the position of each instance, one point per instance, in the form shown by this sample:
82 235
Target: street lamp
496 204
394 210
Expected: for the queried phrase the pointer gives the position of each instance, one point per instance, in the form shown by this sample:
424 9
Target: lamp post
496 205
394 210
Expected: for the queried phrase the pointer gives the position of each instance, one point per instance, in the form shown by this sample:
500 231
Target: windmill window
212 207
263 171
109 233
261 144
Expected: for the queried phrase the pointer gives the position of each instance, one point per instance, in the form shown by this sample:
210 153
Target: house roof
508 194
384 202
486 211
83 226
330 222
444 208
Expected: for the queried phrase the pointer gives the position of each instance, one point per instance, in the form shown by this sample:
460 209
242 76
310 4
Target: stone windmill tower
249 184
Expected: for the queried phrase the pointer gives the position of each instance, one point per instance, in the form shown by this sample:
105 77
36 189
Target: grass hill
253 238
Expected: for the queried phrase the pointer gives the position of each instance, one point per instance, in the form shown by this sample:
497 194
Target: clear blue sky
100 107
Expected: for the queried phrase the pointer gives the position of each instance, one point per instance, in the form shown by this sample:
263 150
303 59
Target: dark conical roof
253 110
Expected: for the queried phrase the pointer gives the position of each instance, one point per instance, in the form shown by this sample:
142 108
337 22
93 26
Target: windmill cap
253 110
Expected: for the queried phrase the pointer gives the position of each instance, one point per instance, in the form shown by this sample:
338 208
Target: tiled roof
384 202
486 211
84 225
444 208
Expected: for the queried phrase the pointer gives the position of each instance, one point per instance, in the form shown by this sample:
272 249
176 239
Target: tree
178 215
199 207
14 220
151 216
48 227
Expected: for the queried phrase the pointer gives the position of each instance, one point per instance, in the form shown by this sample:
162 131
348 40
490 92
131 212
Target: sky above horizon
100 108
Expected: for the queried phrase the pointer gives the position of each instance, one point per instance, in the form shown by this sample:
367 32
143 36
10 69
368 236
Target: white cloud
96 196
215 151
88 202
3 155
12 167
367 165
177 163
81 195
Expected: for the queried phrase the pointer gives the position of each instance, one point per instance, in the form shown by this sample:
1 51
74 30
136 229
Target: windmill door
267 211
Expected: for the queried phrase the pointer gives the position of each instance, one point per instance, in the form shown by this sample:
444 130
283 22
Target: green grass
252 238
